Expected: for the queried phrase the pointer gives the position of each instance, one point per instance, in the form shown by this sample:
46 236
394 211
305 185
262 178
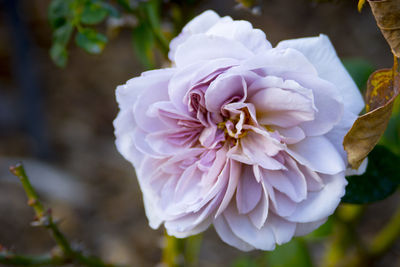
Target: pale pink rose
239 134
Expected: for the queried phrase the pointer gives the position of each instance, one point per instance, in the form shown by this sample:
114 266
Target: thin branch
44 218
9 258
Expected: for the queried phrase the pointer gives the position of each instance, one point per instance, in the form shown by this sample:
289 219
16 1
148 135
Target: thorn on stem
32 202
17 169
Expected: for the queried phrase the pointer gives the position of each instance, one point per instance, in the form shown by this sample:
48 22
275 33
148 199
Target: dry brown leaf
382 89
387 16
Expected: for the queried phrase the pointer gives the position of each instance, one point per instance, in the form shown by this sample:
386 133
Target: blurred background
58 121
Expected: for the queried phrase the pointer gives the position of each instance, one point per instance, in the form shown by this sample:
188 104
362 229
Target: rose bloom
239 134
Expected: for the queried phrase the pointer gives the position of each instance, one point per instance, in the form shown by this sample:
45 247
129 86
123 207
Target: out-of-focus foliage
379 181
151 28
294 253
322 232
91 41
66 16
359 69
391 137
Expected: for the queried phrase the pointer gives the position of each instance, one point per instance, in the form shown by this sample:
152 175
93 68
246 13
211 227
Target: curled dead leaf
382 90
387 16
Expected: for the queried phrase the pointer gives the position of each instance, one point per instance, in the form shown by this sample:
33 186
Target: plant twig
9 258
44 218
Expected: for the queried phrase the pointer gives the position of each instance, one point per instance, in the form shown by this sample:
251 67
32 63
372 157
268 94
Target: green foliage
143 43
294 253
322 232
391 137
380 180
67 15
359 69
245 262
58 51
93 12
59 12
91 41
59 55
62 34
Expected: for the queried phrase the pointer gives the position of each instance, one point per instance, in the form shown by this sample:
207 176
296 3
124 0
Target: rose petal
242 31
306 228
243 228
202 47
199 24
318 154
280 59
322 55
248 192
323 203
225 233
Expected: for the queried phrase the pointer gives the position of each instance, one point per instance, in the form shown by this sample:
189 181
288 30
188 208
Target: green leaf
245 262
93 13
58 12
391 137
62 34
143 44
380 180
59 54
359 69
91 41
322 232
294 253
151 9
112 11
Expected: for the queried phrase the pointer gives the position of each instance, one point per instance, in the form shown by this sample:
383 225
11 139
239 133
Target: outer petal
318 154
199 24
323 203
336 135
280 60
124 125
242 31
322 55
306 228
243 228
128 93
202 47
151 213
226 234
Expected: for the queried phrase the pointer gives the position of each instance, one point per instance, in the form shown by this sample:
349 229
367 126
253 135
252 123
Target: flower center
235 126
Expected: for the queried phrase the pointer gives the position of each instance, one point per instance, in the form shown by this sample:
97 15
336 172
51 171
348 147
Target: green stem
23 260
146 12
344 237
179 252
173 251
33 199
45 219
